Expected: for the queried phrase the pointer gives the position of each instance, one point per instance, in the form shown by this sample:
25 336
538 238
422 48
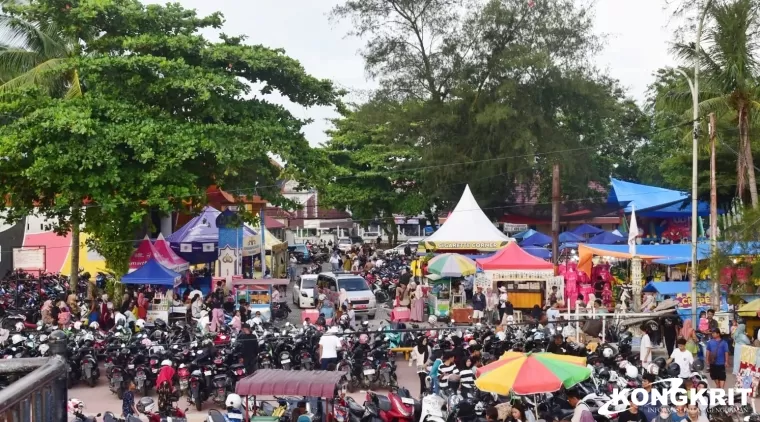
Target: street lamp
694 88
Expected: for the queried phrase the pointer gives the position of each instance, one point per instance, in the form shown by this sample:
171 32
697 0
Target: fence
40 393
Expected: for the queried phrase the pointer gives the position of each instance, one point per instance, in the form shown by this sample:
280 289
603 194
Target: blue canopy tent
538 252
584 229
525 234
652 201
607 238
198 240
153 273
681 290
671 254
570 237
538 239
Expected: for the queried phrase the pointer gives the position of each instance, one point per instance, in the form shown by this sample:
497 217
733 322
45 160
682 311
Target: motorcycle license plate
305 360
360 306
131 366
285 361
206 373
369 371
240 371
155 370
407 400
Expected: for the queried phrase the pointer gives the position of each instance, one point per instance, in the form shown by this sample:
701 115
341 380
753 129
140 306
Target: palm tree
30 53
730 69
30 56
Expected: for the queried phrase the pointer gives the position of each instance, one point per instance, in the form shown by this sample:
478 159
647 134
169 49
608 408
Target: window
308 283
353 284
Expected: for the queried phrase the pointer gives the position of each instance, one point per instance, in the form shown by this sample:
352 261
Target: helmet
674 369
631 371
166 362
698 365
94 325
74 405
365 324
473 343
608 352
660 362
322 297
146 405
78 325
140 323
17 338
432 319
501 336
234 401
363 339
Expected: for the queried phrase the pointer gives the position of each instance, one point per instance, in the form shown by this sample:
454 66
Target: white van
357 289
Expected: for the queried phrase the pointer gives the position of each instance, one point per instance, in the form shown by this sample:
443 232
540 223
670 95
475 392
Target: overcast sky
637 42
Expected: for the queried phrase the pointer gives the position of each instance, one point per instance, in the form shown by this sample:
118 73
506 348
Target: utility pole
714 277
694 87
555 216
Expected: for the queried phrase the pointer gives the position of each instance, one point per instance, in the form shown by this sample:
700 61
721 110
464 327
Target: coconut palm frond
75 88
42 75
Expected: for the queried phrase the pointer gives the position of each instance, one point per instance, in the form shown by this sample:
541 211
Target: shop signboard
467 245
522 275
515 228
251 245
152 316
30 258
684 300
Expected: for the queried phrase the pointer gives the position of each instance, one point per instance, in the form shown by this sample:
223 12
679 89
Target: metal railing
39 394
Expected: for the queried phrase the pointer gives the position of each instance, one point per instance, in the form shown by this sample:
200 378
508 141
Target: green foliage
490 93
165 113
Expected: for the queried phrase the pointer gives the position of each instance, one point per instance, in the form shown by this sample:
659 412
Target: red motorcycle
391 408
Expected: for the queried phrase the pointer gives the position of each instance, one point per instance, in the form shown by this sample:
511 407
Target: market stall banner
503 275
251 245
558 281
481 280
749 369
467 245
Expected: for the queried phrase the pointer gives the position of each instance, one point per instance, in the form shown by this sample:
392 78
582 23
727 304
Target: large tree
502 91
164 114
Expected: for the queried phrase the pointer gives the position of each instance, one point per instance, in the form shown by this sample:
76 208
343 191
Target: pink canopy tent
165 253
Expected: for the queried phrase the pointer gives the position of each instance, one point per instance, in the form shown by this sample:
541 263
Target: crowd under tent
466 229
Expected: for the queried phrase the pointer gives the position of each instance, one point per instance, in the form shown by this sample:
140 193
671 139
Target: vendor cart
440 295
258 293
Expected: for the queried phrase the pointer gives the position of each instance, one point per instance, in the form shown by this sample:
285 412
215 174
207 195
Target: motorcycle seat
355 407
219 376
215 416
382 402
197 372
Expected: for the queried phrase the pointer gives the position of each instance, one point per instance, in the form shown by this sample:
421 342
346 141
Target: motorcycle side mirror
98 415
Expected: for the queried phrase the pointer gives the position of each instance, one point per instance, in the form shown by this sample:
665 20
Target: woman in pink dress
418 301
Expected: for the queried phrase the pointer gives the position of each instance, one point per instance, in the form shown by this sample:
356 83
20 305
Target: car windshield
344 241
308 283
353 284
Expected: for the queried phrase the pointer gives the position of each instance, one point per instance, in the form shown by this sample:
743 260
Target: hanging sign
558 281
684 300
536 275
30 258
515 228
481 246
251 245
482 280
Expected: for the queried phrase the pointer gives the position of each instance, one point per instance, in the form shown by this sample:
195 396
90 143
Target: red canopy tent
513 257
144 252
166 254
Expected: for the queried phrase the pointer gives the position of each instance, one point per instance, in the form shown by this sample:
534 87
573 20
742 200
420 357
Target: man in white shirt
683 358
328 348
645 350
553 315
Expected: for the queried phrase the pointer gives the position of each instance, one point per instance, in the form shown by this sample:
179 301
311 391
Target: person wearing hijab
740 339
107 317
73 304
418 303
204 322
142 306
47 317
419 358
126 303
217 319
64 317
664 415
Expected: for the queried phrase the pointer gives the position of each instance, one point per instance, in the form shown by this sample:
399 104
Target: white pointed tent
467 228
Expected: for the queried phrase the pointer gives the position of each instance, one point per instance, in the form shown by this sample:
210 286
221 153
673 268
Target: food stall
258 293
154 274
440 295
523 275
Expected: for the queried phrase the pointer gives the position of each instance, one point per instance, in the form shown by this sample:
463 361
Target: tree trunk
747 152
76 220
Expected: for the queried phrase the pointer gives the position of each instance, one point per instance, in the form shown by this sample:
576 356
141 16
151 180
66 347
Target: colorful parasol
531 373
451 265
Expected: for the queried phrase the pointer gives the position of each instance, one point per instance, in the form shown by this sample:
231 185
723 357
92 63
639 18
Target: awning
279 382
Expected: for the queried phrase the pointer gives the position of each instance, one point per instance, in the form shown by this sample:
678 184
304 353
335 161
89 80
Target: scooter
391 408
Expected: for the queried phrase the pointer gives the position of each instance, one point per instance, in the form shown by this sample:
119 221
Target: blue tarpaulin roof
652 201
538 252
525 234
538 239
587 229
567 237
607 238
673 288
152 273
